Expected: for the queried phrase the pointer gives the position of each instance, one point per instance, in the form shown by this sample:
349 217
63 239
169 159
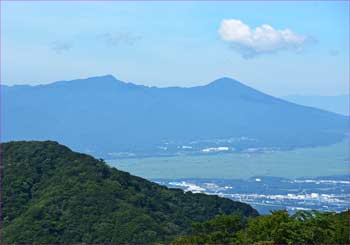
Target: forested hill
55 195
303 227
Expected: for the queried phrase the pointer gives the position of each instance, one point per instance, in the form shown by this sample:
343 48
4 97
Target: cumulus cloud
261 40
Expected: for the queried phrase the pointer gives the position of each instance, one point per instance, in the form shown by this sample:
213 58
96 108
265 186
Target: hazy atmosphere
282 48
175 122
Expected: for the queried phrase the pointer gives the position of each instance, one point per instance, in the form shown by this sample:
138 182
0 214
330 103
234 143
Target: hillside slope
102 115
339 103
54 195
303 227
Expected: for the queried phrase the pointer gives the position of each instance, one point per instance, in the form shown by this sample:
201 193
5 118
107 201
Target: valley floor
288 179
298 163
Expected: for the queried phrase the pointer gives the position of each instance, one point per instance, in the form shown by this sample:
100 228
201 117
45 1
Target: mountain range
101 115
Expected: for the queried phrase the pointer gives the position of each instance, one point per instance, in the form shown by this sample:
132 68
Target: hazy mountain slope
102 115
338 104
54 195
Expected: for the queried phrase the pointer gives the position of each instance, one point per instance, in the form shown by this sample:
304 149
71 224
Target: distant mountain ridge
101 115
338 103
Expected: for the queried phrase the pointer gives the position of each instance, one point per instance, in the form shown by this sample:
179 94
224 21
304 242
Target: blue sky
180 43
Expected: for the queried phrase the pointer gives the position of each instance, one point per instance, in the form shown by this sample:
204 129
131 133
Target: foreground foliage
54 195
280 228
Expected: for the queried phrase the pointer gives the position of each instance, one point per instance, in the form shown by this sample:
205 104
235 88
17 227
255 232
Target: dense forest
303 227
54 195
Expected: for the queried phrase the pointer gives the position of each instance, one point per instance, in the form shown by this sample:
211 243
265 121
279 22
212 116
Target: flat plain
297 163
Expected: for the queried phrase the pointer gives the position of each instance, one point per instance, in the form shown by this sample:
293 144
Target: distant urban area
273 193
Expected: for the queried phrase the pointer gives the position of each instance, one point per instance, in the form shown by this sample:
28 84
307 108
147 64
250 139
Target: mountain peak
225 81
96 81
104 77
226 84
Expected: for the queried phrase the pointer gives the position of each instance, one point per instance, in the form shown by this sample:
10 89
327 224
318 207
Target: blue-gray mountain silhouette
337 103
102 114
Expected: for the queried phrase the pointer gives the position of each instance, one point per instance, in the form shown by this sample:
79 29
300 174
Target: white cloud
263 39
